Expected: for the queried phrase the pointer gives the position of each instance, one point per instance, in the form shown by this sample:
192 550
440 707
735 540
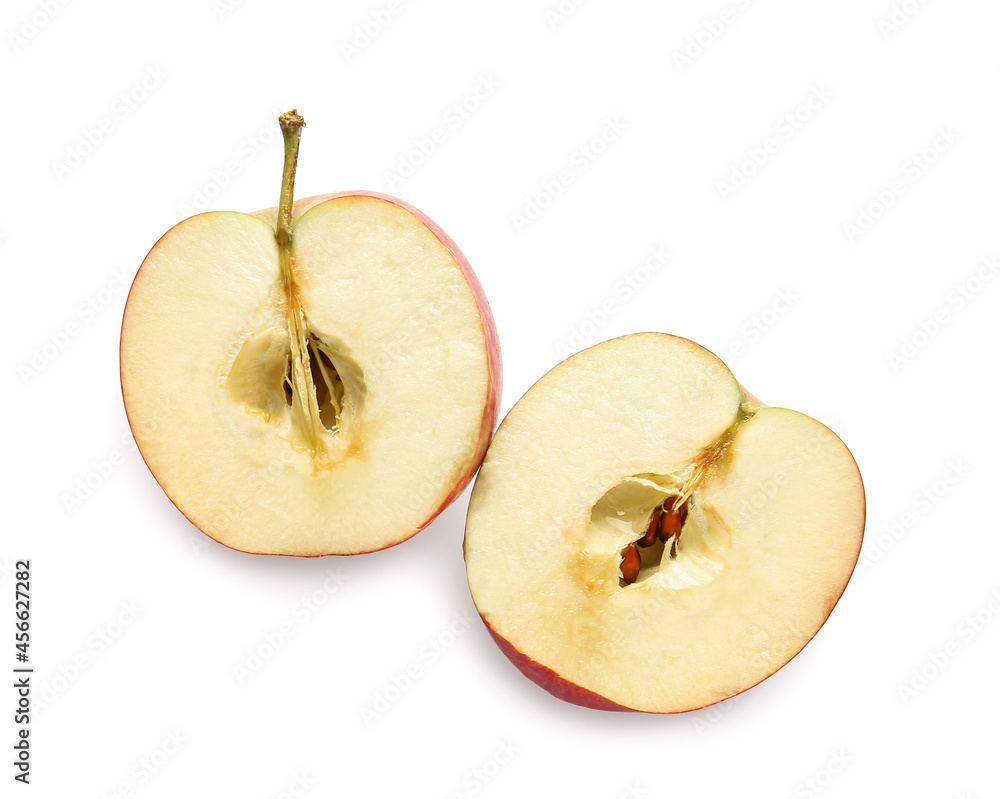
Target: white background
810 314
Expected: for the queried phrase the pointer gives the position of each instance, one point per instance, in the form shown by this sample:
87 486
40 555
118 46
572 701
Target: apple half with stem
319 378
644 535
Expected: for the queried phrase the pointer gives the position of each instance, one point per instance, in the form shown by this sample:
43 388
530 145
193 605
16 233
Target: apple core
324 421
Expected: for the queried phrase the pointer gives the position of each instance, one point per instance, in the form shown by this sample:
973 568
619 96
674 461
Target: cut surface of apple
325 383
642 536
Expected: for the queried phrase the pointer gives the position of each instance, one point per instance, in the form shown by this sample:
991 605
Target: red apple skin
546 678
491 411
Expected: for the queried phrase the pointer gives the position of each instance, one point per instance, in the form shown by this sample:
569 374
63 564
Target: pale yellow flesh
770 543
375 281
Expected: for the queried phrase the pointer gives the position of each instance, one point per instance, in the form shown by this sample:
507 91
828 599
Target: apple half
320 378
644 535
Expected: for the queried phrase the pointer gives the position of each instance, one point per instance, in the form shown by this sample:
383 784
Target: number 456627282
22 610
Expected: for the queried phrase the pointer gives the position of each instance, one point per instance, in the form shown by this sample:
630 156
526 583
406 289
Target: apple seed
649 537
630 564
672 519
670 525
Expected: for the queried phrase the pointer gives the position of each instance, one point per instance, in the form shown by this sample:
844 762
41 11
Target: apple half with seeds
318 378
644 535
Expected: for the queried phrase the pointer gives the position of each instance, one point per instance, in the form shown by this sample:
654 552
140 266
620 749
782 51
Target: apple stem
709 458
291 123
305 406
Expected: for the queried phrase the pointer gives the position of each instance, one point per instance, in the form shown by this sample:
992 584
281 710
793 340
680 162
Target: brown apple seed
649 537
630 564
670 525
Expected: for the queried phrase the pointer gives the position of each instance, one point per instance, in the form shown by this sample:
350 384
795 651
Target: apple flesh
758 516
329 396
